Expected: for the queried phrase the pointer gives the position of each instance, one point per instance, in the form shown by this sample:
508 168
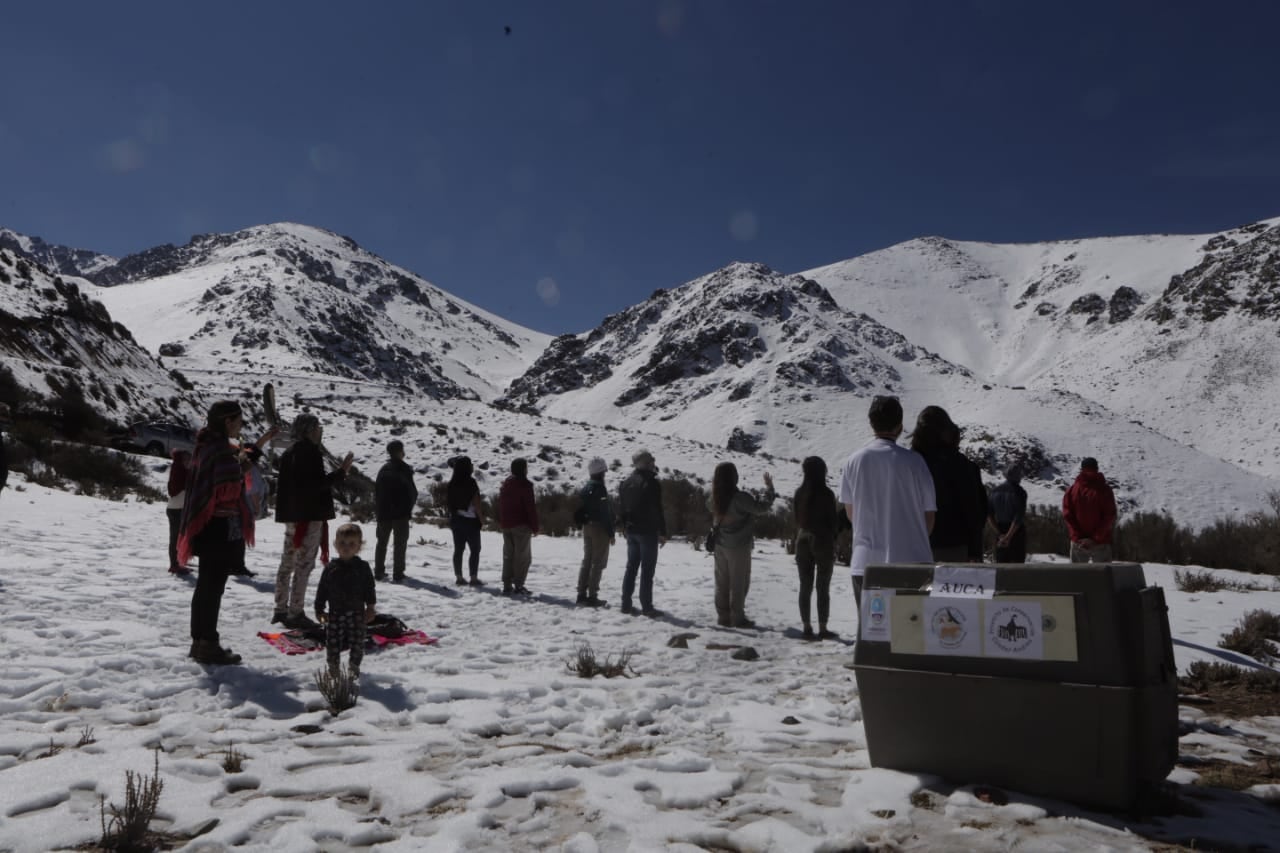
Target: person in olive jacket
304 504
733 512
395 496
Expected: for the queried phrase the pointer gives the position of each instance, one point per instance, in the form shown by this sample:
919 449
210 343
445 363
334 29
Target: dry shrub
130 826
339 690
1254 635
585 664
1204 581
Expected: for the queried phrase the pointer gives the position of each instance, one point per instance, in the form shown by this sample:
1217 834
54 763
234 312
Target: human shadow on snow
391 696
273 691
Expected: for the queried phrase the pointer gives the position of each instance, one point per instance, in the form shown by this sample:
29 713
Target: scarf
215 482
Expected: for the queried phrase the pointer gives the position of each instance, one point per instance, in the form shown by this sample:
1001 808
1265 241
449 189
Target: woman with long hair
816 523
466 516
732 511
962 499
216 525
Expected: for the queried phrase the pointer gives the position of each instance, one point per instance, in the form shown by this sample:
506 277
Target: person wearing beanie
304 504
645 526
596 513
395 496
216 523
518 518
1089 509
1007 511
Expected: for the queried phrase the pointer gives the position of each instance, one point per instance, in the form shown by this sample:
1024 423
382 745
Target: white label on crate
1014 630
962 582
952 626
875 618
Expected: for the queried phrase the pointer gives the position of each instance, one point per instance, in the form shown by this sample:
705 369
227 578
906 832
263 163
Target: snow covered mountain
59 260
1178 333
63 347
1153 353
294 300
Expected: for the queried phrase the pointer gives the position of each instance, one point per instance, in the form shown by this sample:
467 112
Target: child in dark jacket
346 588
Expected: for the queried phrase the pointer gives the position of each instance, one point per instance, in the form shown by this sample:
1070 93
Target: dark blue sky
617 147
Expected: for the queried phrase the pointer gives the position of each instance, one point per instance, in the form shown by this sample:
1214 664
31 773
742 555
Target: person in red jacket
1089 509
518 517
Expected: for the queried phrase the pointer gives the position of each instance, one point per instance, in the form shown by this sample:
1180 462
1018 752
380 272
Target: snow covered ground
484 741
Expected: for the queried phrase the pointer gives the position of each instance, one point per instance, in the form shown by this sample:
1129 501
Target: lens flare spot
548 290
743 226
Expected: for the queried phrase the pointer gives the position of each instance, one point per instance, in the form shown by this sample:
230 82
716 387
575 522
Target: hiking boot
179 570
651 612
506 589
724 622
627 609
397 578
582 599
808 633
475 581
379 576
520 590
242 572
279 616
209 652
824 634
596 601
459 580
744 623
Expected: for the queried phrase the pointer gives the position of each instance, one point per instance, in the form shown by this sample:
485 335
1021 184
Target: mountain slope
59 260
293 299
1178 333
64 348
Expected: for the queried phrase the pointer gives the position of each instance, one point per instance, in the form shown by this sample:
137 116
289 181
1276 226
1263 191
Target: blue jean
642 554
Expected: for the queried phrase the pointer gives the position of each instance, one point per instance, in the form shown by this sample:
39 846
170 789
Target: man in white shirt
887 492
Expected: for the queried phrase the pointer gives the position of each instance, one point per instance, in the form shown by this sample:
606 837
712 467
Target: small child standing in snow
347 588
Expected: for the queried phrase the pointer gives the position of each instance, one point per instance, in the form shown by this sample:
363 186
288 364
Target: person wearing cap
887 493
304 504
1089 509
395 496
1007 512
597 533
518 518
216 524
645 526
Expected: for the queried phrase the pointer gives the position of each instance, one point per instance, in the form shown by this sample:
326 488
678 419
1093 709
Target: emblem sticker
952 627
1015 631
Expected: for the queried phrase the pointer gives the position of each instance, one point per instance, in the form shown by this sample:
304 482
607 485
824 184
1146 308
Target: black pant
466 534
175 517
815 561
219 557
399 528
1016 550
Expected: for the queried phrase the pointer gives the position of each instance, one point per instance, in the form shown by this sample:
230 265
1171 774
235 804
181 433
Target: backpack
386 625
580 514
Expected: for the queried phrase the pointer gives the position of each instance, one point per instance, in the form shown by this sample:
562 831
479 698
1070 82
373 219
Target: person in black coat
395 497
962 499
645 525
817 520
304 504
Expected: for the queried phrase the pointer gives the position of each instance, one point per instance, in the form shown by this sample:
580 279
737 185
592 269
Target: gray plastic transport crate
1053 679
